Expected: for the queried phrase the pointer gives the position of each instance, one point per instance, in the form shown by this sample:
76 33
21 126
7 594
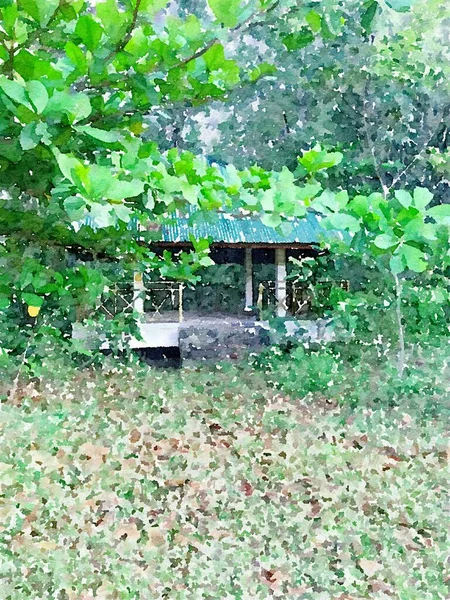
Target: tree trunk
401 333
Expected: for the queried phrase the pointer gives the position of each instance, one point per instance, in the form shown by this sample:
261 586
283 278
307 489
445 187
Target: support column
248 279
138 292
280 281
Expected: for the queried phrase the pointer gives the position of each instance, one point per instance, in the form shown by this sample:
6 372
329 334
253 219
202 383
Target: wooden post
138 292
180 303
280 281
248 280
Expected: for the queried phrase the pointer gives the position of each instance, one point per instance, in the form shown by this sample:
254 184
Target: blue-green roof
230 229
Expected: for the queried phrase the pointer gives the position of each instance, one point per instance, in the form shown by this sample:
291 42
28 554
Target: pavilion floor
200 318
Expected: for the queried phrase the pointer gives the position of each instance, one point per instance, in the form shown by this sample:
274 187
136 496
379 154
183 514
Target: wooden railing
298 296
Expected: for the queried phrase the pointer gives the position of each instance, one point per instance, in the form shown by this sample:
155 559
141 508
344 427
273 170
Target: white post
248 279
280 281
138 295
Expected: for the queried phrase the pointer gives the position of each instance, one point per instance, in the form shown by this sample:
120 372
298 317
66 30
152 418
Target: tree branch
424 147
246 23
371 147
127 37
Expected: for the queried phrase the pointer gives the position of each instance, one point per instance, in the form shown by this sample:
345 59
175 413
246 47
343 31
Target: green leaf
359 205
396 264
119 190
271 219
386 240
68 165
307 192
9 14
226 11
414 228
314 21
114 22
75 207
299 39
317 159
422 197
414 258
439 212
4 302
99 134
206 261
190 192
31 66
40 10
14 91
400 5
28 137
37 93
262 70
404 198
89 31
32 299
369 15
76 56
152 7
342 199
342 221
76 106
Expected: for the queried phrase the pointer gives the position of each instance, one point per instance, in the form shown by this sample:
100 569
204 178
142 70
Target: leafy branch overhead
80 84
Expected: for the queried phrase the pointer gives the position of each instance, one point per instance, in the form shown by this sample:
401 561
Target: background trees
113 115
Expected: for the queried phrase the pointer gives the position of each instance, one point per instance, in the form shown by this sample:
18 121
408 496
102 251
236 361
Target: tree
401 236
79 170
374 85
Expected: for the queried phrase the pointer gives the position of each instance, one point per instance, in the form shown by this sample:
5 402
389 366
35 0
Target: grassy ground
210 484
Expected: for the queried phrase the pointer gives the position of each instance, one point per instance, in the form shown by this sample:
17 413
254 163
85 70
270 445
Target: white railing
298 297
162 297
154 300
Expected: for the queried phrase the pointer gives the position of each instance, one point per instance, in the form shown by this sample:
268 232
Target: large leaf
369 15
114 22
99 134
76 56
226 11
439 213
386 240
299 39
342 221
76 106
119 189
271 219
415 259
317 159
422 198
89 31
14 90
40 10
359 205
401 5
314 21
33 133
68 166
75 207
404 198
32 299
38 95
152 7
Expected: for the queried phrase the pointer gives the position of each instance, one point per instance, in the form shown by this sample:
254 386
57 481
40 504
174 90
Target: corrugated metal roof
244 230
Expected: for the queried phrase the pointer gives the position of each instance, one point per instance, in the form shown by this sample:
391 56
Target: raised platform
211 336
